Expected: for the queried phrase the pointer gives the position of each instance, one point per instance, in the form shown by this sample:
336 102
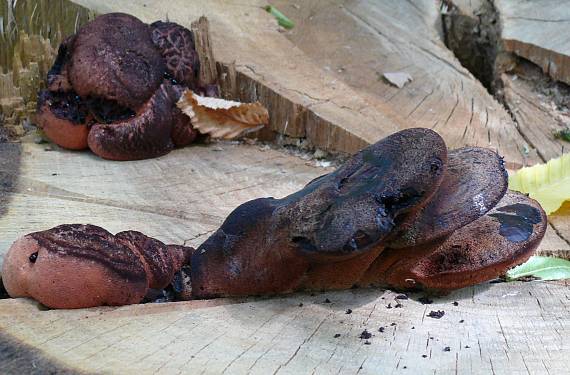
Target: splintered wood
33 57
30 32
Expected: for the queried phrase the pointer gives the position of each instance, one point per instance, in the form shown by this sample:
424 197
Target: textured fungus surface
74 266
482 250
113 57
62 117
148 134
114 86
475 180
403 213
267 245
178 50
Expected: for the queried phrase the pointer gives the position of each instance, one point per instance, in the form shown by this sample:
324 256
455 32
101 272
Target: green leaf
547 183
281 18
546 268
563 134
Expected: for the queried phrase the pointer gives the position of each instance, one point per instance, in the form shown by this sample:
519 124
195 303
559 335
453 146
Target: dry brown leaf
222 118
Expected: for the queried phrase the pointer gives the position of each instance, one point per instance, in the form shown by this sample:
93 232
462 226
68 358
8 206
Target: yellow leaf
548 183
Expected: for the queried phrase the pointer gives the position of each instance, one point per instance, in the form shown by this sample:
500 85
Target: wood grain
358 41
507 328
538 31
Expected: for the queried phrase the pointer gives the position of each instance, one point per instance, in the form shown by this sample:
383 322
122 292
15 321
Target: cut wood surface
510 328
536 115
538 31
182 198
359 41
335 111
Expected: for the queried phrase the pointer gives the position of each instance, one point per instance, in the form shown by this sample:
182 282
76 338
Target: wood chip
398 79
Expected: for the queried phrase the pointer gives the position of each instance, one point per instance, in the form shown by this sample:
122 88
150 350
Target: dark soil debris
337 335
365 335
401 296
436 314
455 303
447 349
381 329
425 300
348 311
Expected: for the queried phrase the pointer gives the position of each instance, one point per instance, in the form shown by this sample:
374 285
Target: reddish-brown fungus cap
344 213
478 252
176 44
74 266
160 261
266 245
474 181
249 255
182 131
339 275
146 135
114 58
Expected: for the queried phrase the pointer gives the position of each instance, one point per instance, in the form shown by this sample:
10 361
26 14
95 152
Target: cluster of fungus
403 213
114 86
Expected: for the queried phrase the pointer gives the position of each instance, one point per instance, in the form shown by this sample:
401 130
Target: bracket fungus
402 213
114 88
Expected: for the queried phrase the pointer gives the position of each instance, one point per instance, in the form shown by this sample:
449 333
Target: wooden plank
538 31
307 101
512 328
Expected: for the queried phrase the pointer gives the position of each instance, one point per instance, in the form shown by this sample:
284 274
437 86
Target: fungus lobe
75 266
